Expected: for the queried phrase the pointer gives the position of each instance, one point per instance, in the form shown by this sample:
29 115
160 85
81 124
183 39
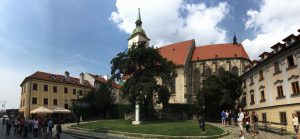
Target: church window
235 70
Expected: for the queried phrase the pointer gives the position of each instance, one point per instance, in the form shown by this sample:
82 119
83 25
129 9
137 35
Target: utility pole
3 105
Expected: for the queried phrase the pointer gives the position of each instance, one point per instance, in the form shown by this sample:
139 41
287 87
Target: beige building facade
49 90
271 84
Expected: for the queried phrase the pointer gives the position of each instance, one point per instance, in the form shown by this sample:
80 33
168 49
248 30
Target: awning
58 109
41 110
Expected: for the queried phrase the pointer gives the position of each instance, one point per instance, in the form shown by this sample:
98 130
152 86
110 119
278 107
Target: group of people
39 126
240 119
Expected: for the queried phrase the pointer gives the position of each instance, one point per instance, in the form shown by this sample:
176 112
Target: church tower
138 34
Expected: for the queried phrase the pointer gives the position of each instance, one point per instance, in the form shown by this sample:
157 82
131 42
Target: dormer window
52 77
290 40
75 81
63 79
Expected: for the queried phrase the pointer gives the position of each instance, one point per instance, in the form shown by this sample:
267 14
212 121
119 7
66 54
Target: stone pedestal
137 114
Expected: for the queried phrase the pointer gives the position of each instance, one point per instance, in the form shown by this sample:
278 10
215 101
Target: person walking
223 118
247 121
8 126
295 123
35 128
16 125
26 126
240 122
50 126
255 122
58 131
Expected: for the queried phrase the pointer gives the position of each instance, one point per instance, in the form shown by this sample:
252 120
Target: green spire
234 39
138 21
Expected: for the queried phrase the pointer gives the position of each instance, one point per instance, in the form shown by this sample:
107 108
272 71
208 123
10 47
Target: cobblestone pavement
234 134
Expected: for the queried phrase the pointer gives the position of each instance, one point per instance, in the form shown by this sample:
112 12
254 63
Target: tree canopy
145 72
220 93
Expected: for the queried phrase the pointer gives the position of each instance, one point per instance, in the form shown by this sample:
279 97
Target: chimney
105 77
81 77
67 75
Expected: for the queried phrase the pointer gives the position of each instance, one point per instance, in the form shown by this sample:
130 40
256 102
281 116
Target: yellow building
271 85
51 90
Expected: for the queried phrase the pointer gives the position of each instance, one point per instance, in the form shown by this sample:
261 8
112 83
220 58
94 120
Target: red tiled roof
214 51
58 78
102 80
177 52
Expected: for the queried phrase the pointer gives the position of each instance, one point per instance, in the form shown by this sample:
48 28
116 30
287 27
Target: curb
106 133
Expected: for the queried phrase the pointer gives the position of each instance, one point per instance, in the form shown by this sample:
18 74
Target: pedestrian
50 126
58 131
255 122
8 126
295 123
240 122
35 128
223 118
3 121
16 124
227 118
26 126
247 121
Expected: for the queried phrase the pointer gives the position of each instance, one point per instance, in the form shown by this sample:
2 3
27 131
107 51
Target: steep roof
177 52
216 51
57 78
102 80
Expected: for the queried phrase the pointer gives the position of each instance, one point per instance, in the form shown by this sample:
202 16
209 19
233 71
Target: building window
283 118
279 91
80 92
54 101
276 67
34 86
264 117
252 99
262 96
46 88
74 91
290 60
261 75
55 89
66 90
235 70
295 87
34 100
45 101
66 106
251 80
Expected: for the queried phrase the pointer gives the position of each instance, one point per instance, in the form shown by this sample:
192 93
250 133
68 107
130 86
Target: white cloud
169 21
275 20
10 89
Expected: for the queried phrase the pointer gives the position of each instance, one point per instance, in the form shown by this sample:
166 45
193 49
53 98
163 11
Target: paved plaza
30 135
234 133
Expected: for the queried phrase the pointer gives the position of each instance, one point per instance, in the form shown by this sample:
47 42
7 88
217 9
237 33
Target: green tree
99 101
220 93
146 71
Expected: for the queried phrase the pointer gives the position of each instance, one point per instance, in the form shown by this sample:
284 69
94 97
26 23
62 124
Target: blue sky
84 35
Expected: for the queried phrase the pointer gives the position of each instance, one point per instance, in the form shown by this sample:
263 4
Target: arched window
235 70
208 72
196 81
221 71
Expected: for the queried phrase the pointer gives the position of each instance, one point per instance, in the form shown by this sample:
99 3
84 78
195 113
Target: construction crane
3 105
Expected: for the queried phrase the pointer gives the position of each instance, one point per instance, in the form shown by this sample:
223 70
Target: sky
84 35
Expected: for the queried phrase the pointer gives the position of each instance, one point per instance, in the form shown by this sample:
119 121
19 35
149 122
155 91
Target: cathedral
195 63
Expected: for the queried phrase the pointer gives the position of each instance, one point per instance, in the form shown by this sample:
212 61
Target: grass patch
179 128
